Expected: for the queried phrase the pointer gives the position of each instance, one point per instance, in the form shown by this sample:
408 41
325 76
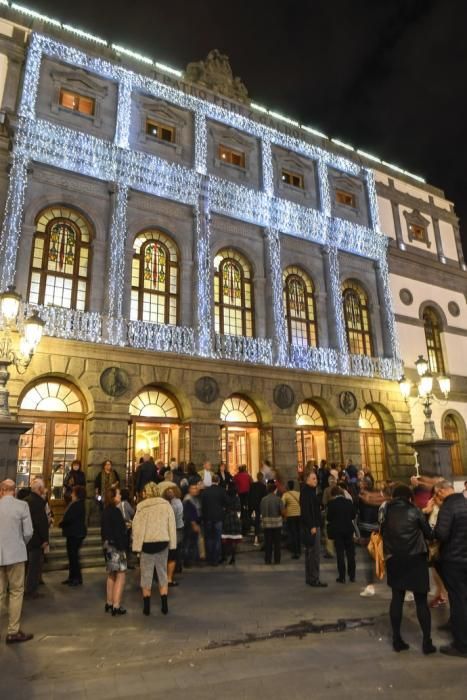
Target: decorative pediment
292 163
160 110
79 80
231 137
415 218
347 183
417 227
215 73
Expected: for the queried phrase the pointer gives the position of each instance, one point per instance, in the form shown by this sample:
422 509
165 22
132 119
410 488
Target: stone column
10 433
259 306
122 129
203 276
185 291
13 219
388 325
285 451
274 296
397 224
12 82
116 251
205 442
335 311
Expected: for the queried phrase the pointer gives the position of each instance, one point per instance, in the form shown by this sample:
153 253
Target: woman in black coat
75 477
114 538
405 530
74 529
340 515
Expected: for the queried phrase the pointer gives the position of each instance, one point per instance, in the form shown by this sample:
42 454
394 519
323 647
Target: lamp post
17 342
425 393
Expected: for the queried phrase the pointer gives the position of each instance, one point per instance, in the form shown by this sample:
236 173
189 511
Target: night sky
387 76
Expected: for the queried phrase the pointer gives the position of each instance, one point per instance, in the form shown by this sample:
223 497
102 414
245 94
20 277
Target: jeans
73 545
455 579
293 531
212 536
272 541
345 548
312 555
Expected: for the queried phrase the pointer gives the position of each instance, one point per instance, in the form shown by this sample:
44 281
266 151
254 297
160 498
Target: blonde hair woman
154 533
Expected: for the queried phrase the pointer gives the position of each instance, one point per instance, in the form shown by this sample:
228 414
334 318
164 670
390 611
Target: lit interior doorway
156 429
240 435
56 411
372 446
310 436
451 432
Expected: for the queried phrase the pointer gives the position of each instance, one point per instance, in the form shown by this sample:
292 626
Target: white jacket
15 530
154 521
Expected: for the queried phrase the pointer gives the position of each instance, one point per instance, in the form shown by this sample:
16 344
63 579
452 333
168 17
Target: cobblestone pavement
244 631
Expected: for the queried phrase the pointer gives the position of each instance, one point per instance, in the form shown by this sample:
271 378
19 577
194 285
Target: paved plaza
240 632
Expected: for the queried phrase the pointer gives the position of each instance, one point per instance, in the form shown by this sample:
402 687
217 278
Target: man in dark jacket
311 530
340 515
145 473
256 493
451 532
40 538
213 501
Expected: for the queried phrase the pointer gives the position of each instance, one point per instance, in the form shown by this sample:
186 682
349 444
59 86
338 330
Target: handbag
375 549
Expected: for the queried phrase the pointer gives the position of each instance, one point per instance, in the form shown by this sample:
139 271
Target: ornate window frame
294 272
159 111
230 255
354 288
80 82
415 218
38 264
138 291
433 327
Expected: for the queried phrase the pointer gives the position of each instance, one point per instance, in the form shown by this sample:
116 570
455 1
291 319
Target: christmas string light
118 234
46 142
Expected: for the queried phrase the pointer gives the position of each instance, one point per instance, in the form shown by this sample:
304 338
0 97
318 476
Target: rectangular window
229 155
345 198
418 233
160 131
293 179
77 103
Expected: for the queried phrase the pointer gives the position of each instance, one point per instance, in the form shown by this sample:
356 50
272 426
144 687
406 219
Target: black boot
398 644
428 647
164 605
147 605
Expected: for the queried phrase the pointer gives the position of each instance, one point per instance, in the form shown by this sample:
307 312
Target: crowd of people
180 517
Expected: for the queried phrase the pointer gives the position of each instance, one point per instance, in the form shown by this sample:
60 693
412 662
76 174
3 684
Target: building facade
217 282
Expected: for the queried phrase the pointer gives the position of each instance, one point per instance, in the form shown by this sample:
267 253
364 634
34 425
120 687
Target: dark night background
387 76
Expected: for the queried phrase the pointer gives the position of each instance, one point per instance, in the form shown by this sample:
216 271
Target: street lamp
425 393
19 354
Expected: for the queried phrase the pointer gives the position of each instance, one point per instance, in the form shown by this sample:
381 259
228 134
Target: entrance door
55 439
240 436
372 445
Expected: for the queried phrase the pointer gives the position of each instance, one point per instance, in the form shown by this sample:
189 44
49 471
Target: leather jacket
404 530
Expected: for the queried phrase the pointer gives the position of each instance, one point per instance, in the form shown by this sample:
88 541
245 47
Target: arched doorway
156 428
241 435
57 411
372 445
310 435
451 431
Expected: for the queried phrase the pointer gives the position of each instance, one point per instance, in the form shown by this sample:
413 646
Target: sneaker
368 592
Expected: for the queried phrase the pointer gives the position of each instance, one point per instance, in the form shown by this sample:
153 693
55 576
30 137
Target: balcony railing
92 327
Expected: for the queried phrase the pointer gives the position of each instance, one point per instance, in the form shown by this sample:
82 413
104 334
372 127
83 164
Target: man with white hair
40 538
15 531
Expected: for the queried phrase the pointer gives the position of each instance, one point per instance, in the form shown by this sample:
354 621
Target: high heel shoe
108 607
118 611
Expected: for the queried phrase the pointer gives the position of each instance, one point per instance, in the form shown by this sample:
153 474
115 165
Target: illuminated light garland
35 15
161 337
273 247
331 261
365 154
204 300
342 144
64 148
118 235
84 35
13 218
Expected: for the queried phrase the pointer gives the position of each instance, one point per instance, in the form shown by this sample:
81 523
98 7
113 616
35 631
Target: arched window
233 294
154 279
153 403
433 327
308 414
299 305
236 409
357 319
60 259
372 445
56 411
451 432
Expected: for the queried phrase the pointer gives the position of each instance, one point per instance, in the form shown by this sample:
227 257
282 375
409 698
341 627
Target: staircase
91 551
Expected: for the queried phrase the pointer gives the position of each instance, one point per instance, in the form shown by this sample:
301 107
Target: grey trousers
312 554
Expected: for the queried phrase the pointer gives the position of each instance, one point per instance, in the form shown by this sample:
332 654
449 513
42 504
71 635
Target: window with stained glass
154 279
357 319
233 294
299 305
433 327
60 259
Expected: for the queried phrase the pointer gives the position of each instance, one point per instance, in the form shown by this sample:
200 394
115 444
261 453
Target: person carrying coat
340 516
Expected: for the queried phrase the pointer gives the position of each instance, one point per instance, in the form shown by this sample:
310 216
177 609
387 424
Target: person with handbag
114 537
291 502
